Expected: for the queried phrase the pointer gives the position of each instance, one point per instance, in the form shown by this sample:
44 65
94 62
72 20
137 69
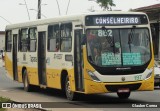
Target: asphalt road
56 99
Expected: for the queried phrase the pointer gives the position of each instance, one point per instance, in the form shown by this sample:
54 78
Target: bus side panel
53 78
53 71
20 74
8 63
25 60
33 75
32 68
56 64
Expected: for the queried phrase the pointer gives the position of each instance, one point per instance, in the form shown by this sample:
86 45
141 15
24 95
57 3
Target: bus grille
114 88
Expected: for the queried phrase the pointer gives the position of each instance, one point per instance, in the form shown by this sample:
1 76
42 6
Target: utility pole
39 9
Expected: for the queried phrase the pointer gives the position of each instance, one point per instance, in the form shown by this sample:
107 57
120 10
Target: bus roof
65 18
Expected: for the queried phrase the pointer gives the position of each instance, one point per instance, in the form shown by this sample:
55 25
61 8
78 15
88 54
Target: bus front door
78 61
42 57
15 73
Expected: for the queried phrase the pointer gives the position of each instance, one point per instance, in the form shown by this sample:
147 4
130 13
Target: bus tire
27 86
69 94
124 95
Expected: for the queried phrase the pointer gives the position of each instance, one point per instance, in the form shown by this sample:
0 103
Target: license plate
123 90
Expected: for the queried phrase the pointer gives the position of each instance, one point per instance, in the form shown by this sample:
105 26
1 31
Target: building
153 12
2 40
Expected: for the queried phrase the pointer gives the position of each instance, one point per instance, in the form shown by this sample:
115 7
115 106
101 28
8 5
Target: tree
106 4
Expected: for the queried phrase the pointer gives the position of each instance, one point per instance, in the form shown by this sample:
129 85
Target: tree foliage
106 4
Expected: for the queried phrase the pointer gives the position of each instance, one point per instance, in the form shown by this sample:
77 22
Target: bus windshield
118 47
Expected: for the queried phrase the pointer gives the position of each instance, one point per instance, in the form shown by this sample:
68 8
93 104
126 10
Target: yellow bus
89 53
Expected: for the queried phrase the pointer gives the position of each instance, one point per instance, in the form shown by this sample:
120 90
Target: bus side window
32 43
53 38
66 37
24 40
8 41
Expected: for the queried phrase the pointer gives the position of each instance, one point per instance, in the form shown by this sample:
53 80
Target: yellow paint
20 79
33 75
148 84
8 66
92 87
53 78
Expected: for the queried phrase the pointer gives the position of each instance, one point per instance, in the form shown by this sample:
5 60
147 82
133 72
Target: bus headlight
93 76
149 73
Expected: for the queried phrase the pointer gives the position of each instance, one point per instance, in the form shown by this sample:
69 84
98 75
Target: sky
12 12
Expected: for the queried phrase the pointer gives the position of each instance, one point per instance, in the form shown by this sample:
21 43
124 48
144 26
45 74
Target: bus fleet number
138 77
106 33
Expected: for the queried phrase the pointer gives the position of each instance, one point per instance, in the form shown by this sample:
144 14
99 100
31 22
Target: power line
27 9
6 20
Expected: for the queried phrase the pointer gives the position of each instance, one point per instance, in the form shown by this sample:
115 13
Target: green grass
2 109
2 100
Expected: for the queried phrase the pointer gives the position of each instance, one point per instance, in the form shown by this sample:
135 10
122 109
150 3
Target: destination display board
132 59
110 20
115 59
111 59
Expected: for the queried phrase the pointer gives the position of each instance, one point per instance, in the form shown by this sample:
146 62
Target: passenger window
66 37
32 40
8 41
53 38
24 40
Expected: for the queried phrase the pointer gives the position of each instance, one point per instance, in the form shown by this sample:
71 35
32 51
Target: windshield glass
118 47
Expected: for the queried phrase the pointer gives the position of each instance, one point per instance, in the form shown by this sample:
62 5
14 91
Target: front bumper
101 87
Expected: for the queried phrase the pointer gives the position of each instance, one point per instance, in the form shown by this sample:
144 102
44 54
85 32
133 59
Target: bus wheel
69 94
124 95
27 86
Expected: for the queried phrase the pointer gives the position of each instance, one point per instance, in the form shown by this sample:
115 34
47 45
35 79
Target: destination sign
116 20
132 59
109 20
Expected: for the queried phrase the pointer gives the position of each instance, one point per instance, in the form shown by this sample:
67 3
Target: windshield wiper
113 45
130 37
110 40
